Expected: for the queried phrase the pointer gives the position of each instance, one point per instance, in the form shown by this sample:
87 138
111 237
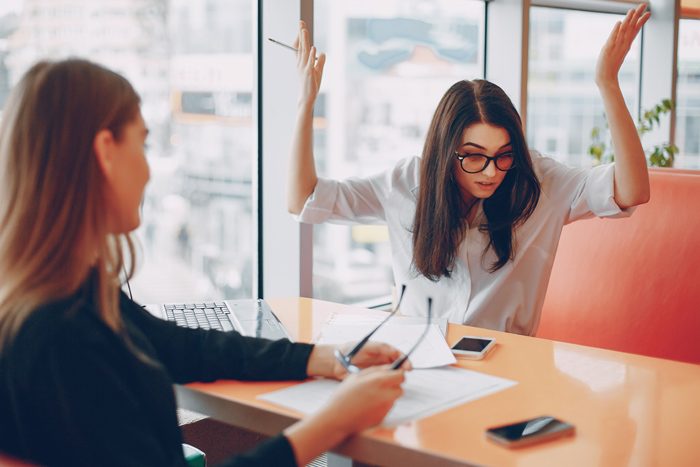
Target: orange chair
633 284
8 461
193 456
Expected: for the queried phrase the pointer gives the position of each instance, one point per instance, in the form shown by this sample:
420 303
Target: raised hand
309 66
631 186
618 45
302 176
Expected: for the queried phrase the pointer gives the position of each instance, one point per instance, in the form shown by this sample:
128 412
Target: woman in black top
85 374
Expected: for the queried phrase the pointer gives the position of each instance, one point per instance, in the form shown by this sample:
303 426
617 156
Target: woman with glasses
475 221
86 375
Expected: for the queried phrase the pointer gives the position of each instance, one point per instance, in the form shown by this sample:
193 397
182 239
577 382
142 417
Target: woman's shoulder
551 171
60 324
406 167
543 164
406 173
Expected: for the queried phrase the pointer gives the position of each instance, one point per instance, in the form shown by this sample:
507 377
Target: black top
72 392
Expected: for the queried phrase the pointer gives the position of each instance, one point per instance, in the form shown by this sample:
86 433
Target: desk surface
627 409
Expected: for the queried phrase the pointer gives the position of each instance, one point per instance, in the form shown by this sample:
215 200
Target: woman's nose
490 169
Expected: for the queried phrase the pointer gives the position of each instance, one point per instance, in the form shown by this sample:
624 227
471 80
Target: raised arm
302 168
631 175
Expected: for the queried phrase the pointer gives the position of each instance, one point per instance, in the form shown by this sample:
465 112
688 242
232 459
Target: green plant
661 155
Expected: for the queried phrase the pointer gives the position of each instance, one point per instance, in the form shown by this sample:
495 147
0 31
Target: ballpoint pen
286 46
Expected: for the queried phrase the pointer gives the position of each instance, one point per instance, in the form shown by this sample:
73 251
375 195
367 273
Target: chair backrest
633 284
7 461
193 456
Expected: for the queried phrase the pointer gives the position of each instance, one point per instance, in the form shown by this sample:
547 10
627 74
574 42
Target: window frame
287 262
285 247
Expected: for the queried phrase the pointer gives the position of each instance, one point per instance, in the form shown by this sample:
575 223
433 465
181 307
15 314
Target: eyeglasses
475 163
346 360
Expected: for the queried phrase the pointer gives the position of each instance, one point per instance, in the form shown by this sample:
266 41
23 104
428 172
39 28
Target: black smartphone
529 431
473 347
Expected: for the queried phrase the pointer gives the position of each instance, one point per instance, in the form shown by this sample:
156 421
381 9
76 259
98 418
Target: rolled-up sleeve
357 200
581 192
318 207
597 195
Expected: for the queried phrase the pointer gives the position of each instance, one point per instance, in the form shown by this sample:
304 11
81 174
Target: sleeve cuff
319 205
275 451
601 193
283 448
300 359
278 360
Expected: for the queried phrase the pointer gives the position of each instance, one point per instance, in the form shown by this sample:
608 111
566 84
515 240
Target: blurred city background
389 62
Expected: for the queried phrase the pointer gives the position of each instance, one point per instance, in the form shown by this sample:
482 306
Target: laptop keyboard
208 315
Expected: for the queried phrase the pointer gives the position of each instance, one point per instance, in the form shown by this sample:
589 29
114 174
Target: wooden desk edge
360 448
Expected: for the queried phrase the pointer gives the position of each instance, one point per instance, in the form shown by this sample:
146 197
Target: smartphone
473 347
530 431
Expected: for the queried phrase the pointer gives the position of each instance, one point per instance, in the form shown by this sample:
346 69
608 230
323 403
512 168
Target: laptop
250 317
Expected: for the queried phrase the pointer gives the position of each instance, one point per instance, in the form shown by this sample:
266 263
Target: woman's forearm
321 361
302 168
313 436
631 174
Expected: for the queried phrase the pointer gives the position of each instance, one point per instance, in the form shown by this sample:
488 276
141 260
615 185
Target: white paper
374 317
402 334
426 392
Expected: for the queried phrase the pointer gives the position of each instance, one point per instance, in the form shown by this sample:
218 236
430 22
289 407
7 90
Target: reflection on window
688 95
191 62
389 63
563 101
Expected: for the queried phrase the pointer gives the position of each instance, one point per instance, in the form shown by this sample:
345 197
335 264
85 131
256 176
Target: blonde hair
53 230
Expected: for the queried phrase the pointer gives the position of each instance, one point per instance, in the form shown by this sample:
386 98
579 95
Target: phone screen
530 428
471 344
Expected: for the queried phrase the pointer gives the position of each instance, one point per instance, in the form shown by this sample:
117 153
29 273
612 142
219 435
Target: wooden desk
628 409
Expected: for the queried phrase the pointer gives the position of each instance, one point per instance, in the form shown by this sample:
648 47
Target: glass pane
191 62
688 95
388 66
563 103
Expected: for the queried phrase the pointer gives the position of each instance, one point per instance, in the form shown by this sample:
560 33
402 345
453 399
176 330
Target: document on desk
401 332
426 392
374 317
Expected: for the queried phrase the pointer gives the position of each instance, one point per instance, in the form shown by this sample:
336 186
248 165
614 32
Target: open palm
309 66
618 45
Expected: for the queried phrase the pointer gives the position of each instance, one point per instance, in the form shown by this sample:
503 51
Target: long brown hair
52 204
439 222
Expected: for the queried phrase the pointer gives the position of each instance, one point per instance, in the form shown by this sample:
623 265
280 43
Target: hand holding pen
310 66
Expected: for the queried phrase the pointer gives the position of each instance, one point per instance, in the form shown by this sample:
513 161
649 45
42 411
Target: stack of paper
425 392
401 332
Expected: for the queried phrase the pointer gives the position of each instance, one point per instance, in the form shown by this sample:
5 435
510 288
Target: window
563 103
688 95
192 63
389 63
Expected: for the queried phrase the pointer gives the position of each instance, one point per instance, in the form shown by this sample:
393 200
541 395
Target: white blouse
509 299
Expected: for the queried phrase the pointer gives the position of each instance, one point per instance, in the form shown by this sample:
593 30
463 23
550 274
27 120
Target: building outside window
688 94
563 102
389 63
191 62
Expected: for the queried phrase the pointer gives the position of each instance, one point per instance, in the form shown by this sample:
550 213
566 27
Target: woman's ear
104 145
